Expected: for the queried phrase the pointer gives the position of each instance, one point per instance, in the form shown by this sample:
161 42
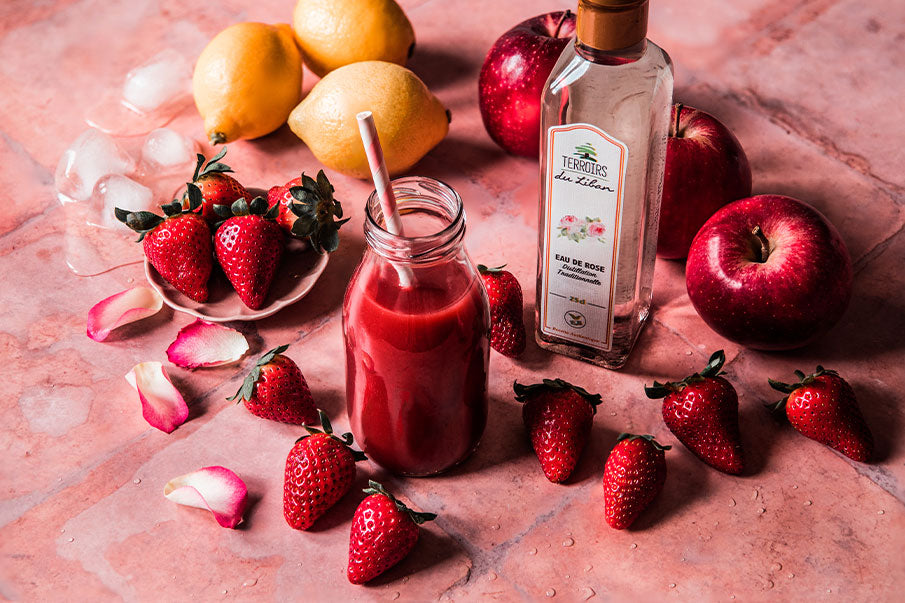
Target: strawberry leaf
419 517
649 438
524 392
484 269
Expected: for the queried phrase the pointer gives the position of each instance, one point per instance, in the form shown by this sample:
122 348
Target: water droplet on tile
768 584
491 576
251 582
634 545
495 526
672 585
754 496
130 280
732 597
881 512
136 481
688 352
829 590
532 552
396 595
613 414
776 566
405 579
71 540
762 510
589 568
568 542
807 503
588 592
791 576
62 530
567 576
552 592
794 487
225 591
731 502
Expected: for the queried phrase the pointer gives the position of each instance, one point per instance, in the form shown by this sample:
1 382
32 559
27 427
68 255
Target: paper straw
382 185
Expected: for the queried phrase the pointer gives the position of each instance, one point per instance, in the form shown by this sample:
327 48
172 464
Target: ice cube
118 191
164 79
166 149
92 156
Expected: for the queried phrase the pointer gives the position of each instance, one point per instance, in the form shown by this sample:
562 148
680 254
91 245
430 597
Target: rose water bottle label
585 185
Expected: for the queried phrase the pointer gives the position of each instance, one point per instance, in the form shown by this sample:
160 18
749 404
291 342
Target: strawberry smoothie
416 356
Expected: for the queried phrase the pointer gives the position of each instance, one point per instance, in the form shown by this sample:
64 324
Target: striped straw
382 184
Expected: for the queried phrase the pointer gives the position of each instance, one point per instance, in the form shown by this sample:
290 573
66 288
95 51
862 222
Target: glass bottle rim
413 194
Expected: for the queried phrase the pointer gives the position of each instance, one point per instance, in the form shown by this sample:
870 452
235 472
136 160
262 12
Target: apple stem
562 19
762 251
679 107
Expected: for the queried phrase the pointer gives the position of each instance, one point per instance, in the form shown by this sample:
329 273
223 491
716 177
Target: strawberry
822 406
178 246
507 329
275 389
558 417
215 186
633 477
307 211
249 245
320 469
280 195
702 412
383 532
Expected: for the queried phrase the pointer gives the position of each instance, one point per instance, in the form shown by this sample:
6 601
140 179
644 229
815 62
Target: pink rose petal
216 489
162 405
122 308
203 344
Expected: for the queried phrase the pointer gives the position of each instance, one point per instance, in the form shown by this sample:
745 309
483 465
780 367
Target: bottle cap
611 24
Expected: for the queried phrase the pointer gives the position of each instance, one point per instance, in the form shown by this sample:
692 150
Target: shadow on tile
440 68
686 482
433 548
882 417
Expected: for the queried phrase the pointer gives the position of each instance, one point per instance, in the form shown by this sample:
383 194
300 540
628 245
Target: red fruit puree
416 363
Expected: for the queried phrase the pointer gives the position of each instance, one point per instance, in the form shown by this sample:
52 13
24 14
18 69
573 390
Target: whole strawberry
633 477
822 406
320 470
178 246
215 185
702 412
558 417
507 329
311 211
280 195
249 246
383 532
276 389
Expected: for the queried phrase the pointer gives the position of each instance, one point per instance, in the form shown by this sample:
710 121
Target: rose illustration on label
576 229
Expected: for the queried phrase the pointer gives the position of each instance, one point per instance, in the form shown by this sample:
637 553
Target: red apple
513 77
706 168
769 272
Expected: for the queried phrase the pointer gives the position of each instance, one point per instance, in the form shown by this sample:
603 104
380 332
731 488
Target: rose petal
162 405
216 489
203 344
122 308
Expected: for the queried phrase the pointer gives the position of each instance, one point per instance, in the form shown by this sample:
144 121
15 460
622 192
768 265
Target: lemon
410 120
247 80
333 33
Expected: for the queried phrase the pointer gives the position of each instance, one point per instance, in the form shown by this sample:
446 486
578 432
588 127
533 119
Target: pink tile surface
809 88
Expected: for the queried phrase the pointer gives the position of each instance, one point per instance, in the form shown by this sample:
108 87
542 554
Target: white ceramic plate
299 269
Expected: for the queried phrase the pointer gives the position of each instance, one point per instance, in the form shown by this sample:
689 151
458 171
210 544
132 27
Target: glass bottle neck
440 230
621 56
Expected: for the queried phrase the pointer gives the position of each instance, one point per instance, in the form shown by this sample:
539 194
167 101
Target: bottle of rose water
604 123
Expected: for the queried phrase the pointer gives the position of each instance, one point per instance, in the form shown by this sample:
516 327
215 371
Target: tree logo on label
586 151
574 319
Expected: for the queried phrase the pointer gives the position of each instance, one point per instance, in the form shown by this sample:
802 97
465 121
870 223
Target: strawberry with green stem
507 328
634 475
248 244
702 412
558 417
320 470
822 406
383 532
313 213
215 185
275 389
177 245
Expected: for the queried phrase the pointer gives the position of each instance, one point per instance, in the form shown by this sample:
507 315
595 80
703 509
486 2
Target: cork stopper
611 24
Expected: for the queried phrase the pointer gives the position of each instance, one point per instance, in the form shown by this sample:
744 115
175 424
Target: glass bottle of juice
604 124
416 323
